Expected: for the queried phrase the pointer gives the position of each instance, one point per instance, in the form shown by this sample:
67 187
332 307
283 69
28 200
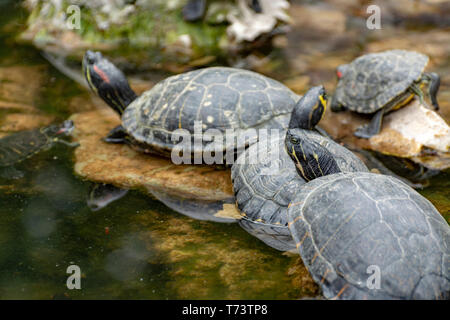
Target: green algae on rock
149 34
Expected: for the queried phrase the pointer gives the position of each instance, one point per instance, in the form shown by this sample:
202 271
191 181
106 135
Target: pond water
135 248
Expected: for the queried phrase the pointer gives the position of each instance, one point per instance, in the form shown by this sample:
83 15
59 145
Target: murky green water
135 248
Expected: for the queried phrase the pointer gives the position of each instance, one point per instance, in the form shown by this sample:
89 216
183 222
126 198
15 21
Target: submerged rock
203 257
197 191
17 99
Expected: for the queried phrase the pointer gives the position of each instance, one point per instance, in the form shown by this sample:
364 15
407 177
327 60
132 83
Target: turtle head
340 70
310 109
311 159
105 79
58 130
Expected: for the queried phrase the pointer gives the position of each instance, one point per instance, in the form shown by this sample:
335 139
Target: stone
199 190
414 132
204 256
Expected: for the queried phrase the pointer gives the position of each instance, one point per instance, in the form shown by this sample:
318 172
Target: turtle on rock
19 146
265 178
363 235
378 83
214 99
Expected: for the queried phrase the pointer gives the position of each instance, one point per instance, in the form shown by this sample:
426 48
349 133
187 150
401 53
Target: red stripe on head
339 74
101 74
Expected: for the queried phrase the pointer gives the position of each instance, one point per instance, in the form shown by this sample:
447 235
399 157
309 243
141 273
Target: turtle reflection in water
19 146
364 235
101 195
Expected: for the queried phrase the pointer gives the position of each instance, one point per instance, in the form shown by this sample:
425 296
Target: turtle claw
116 135
363 132
373 128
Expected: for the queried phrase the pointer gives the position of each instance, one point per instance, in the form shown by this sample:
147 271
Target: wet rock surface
124 167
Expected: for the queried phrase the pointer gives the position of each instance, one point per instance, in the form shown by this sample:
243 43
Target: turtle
265 179
364 235
19 146
207 103
378 83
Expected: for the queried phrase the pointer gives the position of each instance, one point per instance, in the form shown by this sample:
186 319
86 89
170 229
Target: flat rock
200 190
414 132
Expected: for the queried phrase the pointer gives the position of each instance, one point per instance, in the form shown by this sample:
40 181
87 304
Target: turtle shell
221 98
348 226
265 181
19 146
371 81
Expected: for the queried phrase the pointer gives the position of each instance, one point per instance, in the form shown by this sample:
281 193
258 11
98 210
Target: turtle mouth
66 128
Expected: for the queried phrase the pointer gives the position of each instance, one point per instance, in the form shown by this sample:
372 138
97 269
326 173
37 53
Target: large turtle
19 146
377 83
213 100
265 178
364 235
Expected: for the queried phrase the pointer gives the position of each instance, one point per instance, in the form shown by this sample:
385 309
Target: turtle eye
294 140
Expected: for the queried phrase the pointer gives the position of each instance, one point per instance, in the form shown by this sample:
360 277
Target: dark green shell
221 98
345 224
371 81
19 146
267 181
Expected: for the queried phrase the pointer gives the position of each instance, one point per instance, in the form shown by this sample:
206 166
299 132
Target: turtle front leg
117 135
433 87
67 143
373 128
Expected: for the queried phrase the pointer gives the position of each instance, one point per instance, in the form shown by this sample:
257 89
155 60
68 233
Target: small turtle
265 178
377 83
19 146
365 235
215 98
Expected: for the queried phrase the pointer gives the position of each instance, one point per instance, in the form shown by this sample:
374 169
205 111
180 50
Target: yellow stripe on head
299 165
318 164
324 103
89 80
